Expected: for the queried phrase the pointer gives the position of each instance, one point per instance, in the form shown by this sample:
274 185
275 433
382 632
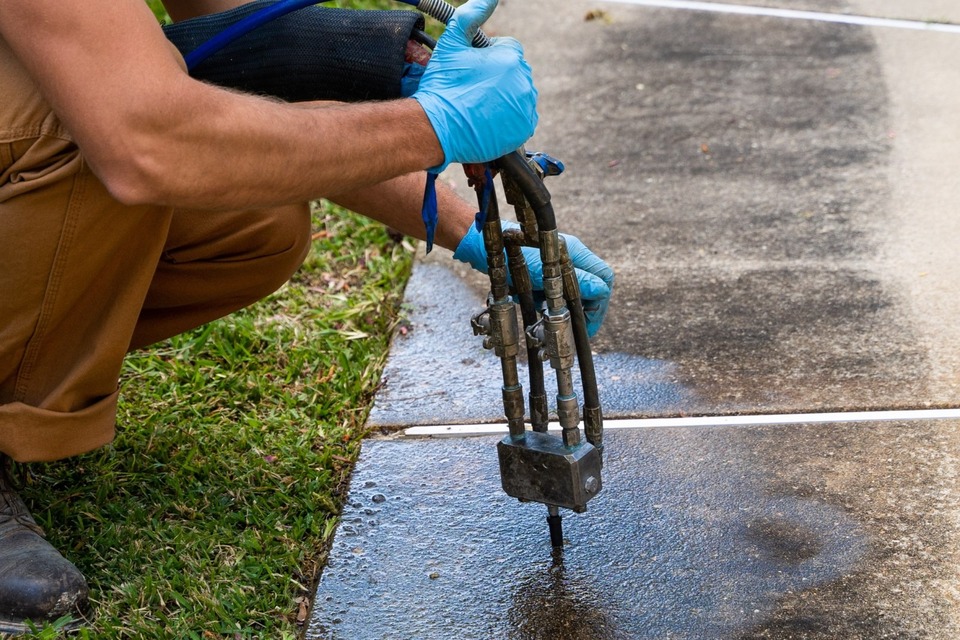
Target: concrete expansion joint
794 14
784 419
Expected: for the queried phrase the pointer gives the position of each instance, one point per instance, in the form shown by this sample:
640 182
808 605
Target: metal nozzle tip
555 522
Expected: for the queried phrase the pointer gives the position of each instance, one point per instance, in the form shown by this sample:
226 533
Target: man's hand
481 102
594 276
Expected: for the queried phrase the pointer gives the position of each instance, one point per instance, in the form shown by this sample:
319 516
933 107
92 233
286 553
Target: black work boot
36 582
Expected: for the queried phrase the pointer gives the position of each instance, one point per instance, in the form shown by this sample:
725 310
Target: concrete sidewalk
777 197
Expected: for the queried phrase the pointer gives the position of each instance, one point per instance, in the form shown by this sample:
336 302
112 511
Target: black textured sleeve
315 53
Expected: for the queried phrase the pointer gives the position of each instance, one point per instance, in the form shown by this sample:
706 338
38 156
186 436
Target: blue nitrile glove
481 102
593 274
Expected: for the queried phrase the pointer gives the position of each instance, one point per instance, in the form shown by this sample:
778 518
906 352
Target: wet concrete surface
439 373
816 531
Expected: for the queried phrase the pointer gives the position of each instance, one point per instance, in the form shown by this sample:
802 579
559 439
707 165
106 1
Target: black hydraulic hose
423 38
539 198
443 11
592 413
532 186
537 395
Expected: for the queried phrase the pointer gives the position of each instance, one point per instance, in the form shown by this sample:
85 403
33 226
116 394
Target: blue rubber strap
548 164
429 210
485 196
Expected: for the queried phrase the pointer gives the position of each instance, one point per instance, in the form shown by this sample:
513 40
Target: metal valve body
540 468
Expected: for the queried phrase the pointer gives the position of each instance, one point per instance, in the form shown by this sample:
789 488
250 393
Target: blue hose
243 27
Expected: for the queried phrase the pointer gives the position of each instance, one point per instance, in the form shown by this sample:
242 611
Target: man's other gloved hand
593 274
481 102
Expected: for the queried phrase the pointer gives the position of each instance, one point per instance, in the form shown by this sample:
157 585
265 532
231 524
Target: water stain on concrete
556 603
819 531
805 339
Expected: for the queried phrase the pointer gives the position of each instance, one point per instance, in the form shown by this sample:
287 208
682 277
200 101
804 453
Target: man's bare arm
397 202
153 134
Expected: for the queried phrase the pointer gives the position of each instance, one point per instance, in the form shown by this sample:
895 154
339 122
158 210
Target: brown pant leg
82 281
214 263
76 267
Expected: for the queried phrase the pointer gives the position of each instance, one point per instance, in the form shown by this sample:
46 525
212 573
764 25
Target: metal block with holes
539 468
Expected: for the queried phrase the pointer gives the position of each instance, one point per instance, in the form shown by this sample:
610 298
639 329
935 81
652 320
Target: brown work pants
84 279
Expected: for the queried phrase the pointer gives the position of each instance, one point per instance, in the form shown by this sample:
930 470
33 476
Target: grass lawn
210 514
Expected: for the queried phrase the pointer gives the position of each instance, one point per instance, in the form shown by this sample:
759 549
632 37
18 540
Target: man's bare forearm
397 204
249 152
